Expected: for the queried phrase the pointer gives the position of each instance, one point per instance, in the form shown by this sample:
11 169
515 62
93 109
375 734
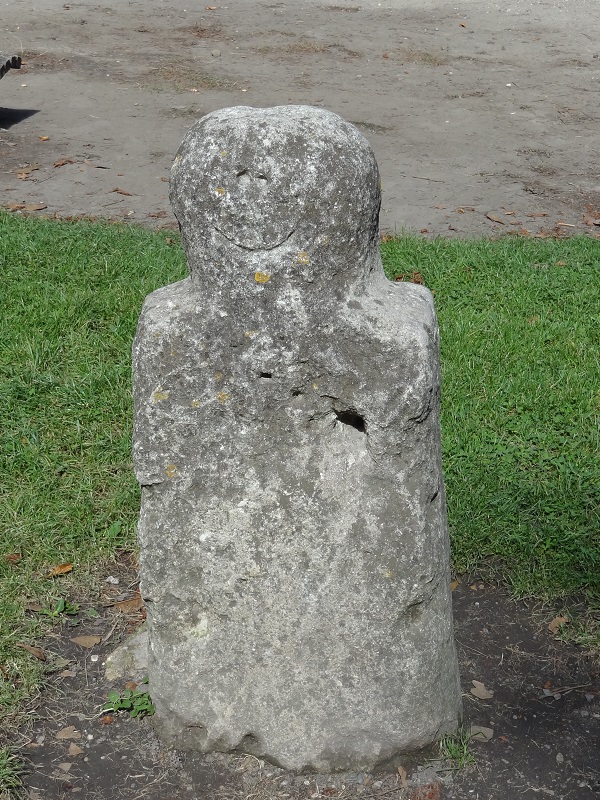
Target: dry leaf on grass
70 732
12 558
26 206
403 777
480 691
87 641
61 569
557 623
24 172
591 220
481 734
35 651
74 750
33 607
430 791
454 585
129 606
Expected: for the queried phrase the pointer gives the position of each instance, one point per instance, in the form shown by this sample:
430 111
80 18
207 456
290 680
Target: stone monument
293 535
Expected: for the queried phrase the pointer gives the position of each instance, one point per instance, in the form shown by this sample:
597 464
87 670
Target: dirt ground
472 108
543 718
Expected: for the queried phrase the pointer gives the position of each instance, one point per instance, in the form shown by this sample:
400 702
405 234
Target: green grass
520 344
71 295
11 768
520 335
456 748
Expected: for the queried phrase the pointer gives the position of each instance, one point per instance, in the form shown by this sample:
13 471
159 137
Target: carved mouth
243 244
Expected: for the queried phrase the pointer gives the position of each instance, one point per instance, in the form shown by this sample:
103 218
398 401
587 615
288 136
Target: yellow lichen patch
223 153
222 397
170 470
261 277
220 191
251 334
315 386
218 376
195 403
158 395
303 258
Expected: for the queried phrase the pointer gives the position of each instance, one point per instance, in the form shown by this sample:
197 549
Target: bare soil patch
544 714
458 102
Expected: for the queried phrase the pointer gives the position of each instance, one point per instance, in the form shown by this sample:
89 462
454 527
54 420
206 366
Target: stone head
266 187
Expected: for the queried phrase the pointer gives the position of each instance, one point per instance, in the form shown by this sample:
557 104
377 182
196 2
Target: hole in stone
266 374
243 176
353 419
296 392
261 176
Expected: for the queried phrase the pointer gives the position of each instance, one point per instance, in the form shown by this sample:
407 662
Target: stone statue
293 535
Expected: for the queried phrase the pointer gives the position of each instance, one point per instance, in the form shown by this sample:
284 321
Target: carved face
290 189
250 183
253 204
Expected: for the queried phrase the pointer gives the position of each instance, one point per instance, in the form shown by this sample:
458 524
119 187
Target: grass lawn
520 327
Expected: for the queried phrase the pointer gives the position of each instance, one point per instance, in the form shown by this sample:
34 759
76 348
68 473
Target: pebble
215 53
559 758
113 580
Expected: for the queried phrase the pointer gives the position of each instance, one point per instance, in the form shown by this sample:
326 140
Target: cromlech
294 544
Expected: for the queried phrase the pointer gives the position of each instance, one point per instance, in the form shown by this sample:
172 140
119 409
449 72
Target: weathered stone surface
294 547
